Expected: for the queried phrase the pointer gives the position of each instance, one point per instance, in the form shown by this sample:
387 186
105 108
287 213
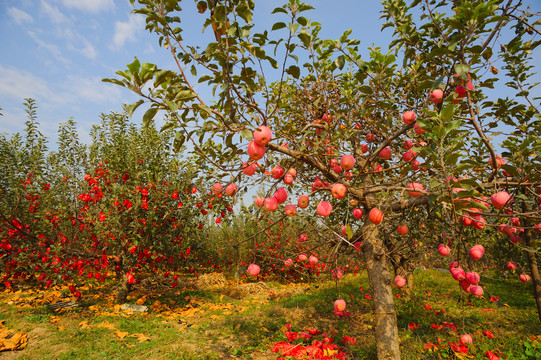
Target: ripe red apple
409 117
288 263
511 266
399 281
129 278
337 273
499 199
231 189
281 195
217 188
524 278
347 162
407 144
515 239
478 222
339 305
271 204
476 290
364 148
338 190
262 135
303 201
465 285
402 229
255 151
436 96
378 168
337 169
290 210
415 165
477 252
259 201
248 169
458 274
466 339
515 221
302 238
418 129
253 269
444 250
376 216
472 277
313 260
408 156
303 257
385 153
344 230
499 161
324 208
277 172
292 171
357 213
370 137
415 186
288 179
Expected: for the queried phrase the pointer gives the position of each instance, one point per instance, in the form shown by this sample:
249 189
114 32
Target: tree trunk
379 277
123 291
536 280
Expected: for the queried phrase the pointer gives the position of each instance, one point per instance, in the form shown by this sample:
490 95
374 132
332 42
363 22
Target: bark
386 327
534 270
123 291
410 281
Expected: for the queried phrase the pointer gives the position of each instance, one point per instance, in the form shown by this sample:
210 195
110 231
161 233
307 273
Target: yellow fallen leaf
228 312
141 301
84 324
121 334
106 324
94 308
54 319
140 337
215 317
221 297
60 328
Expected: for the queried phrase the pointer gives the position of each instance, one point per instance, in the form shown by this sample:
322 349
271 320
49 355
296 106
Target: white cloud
19 84
52 48
90 5
20 16
53 13
92 89
127 31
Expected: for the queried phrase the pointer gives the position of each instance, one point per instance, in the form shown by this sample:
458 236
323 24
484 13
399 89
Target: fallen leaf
106 324
84 324
221 297
140 337
121 334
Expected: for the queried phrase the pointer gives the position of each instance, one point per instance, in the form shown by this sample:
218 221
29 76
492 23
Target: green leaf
340 62
134 66
462 70
293 27
114 81
131 108
149 115
247 134
447 112
279 10
244 12
278 26
302 20
294 71
305 38
437 83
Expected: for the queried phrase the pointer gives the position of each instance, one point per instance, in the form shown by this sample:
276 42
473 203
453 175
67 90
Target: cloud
53 13
20 16
19 84
52 48
127 31
90 5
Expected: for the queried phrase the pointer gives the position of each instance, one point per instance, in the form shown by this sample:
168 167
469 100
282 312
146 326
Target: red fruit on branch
376 216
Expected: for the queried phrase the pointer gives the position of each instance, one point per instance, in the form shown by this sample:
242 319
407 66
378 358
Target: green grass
254 324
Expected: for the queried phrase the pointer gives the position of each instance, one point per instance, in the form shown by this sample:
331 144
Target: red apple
217 188
231 189
409 117
466 339
303 201
271 204
253 269
444 250
313 260
369 137
472 277
511 266
385 153
357 213
340 305
248 169
476 290
129 278
259 201
303 257
281 195
262 135
402 229
458 274
290 210
399 281
415 186
347 162
288 179
338 190
277 172
255 151
324 208
364 148
499 199
407 144
436 96
337 273
376 216
524 278
288 263
477 252
418 129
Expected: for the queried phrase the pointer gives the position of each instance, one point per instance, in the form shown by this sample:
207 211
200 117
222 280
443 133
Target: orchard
422 155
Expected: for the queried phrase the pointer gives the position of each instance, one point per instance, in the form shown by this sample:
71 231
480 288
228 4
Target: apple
281 195
415 165
499 161
477 252
253 269
344 230
303 201
418 129
458 274
338 190
324 208
466 339
399 281
217 188
277 172
290 210
407 144
444 250
288 263
415 186
476 290
271 204
259 201
478 222
369 137
408 156
255 151
347 162
248 169
524 278
515 239
402 229
499 199
358 245
385 153
292 172
262 135
376 216
409 117
288 179
515 221
364 148
337 169
129 278
231 189
357 213
313 260
303 257
436 96
472 277
340 305
511 265
337 273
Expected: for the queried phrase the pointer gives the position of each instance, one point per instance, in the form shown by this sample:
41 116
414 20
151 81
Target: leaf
140 337
340 62
131 108
447 112
134 66
244 12
462 70
294 71
121 334
278 26
149 115
279 10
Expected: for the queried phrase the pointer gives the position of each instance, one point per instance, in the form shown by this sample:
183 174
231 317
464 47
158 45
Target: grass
208 324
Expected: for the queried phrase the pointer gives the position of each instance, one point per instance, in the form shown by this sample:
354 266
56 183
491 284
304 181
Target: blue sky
57 52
